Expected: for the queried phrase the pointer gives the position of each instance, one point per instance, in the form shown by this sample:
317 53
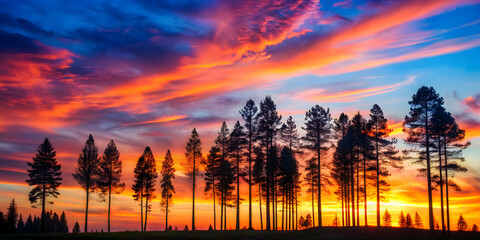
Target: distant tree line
264 152
13 222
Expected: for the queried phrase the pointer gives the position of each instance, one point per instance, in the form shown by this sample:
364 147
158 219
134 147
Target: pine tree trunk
378 176
225 216
86 210
274 202
166 213
352 189
109 204
221 209
250 180
283 209
313 202
268 188
319 178
447 200
214 207
429 179
358 190
43 204
441 181
343 212
146 213
237 225
193 190
141 206
296 210
260 205
365 188
347 197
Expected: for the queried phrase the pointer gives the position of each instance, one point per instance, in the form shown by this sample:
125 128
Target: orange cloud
397 128
159 120
473 103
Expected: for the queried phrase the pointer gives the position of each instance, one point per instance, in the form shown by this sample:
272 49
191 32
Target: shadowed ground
330 233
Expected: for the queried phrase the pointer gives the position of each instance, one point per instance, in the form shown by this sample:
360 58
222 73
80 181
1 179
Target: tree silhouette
387 219
44 174
289 134
417 125
87 170
110 172
341 169
384 151
439 127
288 182
139 185
20 225
76 228
11 217
193 158
435 224
225 187
310 180
318 125
273 167
363 153
402 221
223 143
408 221
306 222
462 224
2 223
259 178
336 221
474 228
53 224
166 184
418 221
151 176
63 223
211 175
448 138
237 145
28 224
290 138
268 122
248 114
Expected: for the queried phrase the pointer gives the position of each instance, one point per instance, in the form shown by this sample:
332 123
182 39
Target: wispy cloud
351 95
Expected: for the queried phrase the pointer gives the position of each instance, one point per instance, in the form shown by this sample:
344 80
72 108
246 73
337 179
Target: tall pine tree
268 122
151 176
87 170
384 151
139 185
11 218
417 125
110 172
193 158
44 174
211 175
237 144
166 184
318 124
248 113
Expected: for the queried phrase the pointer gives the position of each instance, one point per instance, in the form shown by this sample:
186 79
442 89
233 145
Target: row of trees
13 222
406 221
263 152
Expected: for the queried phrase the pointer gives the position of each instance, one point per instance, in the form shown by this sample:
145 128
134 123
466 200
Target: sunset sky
145 73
